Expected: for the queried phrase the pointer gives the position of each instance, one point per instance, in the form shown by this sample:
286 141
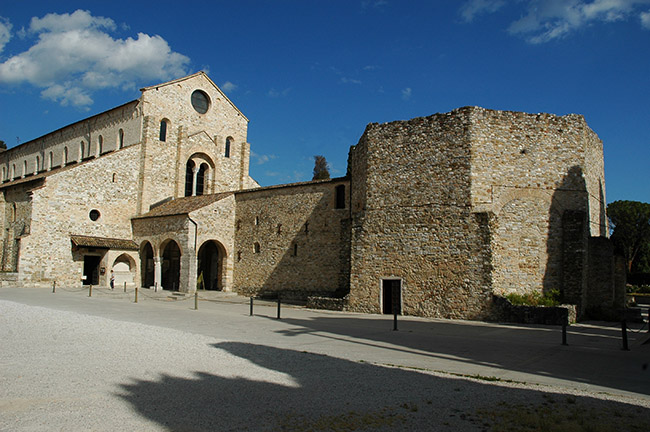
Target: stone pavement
592 361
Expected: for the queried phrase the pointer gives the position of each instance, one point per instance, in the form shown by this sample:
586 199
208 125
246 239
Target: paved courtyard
73 362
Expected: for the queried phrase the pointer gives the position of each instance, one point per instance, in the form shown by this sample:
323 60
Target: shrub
550 298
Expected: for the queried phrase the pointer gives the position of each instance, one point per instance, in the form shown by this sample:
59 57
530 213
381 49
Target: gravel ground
68 371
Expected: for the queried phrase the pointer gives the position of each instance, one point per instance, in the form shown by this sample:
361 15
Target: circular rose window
200 101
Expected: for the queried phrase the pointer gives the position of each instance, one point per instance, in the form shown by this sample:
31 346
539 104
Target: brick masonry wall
281 218
412 219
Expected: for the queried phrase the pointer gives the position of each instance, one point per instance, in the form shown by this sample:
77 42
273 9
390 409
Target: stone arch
170 265
211 263
147 264
124 269
199 172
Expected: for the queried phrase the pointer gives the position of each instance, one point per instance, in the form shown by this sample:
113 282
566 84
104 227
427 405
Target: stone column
157 272
195 173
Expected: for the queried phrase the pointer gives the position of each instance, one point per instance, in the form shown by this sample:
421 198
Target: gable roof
183 206
194 75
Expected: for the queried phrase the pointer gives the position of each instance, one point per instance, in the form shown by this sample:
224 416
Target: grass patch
567 415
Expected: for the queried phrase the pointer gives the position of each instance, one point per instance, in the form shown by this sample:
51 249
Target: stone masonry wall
48 150
191 133
412 219
528 170
302 240
62 205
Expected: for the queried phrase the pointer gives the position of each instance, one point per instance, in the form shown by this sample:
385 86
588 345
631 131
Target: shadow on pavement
326 393
593 355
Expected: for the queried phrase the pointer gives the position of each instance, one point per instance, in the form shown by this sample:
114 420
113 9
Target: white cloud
473 8
262 159
5 32
546 20
75 55
553 19
645 19
406 93
277 93
346 80
228 87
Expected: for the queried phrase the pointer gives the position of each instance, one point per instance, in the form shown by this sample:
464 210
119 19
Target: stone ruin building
435 217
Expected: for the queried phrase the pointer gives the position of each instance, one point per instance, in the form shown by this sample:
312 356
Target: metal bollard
124 286
90 290
394 319
251 312
54 286
564 325
136 293
279 306
196 300
624 331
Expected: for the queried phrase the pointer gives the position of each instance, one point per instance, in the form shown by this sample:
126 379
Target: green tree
630 225
321 168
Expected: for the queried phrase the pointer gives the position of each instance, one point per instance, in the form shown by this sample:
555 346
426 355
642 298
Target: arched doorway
171 266
146 265
124 270
210 264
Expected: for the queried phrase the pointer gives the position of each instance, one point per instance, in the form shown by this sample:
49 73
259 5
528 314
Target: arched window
189 178
38 164
257 247
4 171
82 148
24 168
13 171
228 142
50 158
120 139
100 145
163 130
64 161
200 179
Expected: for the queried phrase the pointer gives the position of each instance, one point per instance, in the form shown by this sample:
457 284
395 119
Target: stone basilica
436 214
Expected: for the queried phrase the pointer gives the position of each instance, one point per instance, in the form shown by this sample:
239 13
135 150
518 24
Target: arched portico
211 260
170 265
147 265
124 270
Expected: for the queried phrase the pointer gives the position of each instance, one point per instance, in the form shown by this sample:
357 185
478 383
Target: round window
94 215
200 101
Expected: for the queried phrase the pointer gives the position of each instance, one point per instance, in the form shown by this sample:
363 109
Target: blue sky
311 74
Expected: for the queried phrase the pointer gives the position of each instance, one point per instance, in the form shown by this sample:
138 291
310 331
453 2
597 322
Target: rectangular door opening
91 269
391 290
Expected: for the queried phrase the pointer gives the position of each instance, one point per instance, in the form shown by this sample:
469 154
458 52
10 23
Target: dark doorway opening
209 265
391 292
91 269
147 266
171 266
